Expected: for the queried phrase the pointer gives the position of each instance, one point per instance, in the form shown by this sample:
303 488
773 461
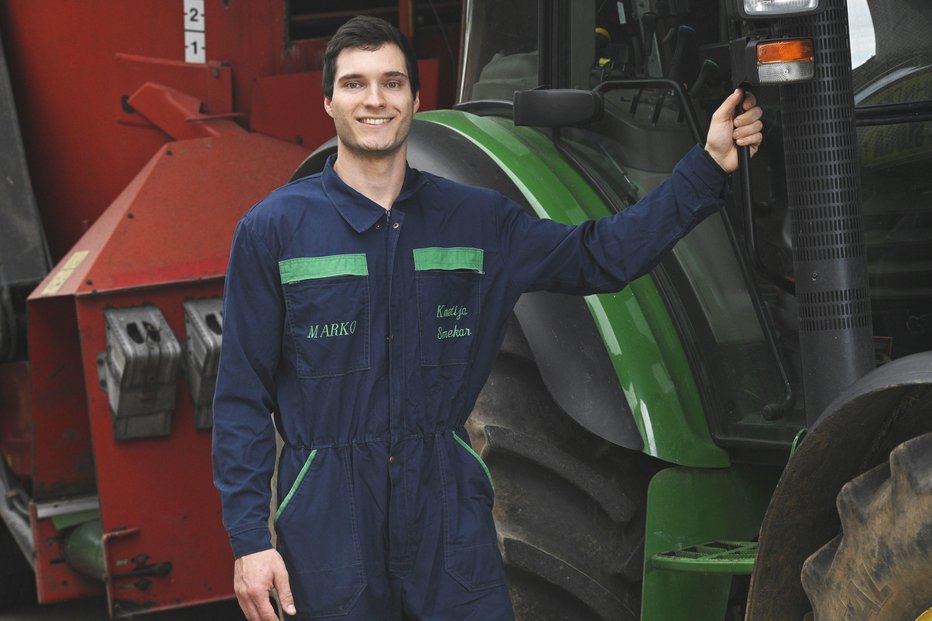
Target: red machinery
149 128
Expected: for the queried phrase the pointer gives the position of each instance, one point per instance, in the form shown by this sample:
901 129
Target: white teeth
375 121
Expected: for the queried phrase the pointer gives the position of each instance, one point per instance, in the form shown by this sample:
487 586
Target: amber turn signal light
786 51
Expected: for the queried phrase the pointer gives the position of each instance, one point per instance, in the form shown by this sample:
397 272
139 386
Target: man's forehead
385 59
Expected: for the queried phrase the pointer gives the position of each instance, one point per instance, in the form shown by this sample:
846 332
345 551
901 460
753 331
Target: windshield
499 50
895 158
890 42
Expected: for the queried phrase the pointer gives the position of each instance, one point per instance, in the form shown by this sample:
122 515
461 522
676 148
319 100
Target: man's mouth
374 121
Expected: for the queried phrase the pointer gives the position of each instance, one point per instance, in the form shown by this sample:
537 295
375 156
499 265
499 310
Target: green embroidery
476 455
448 259
297 484
308 268
455 332
327 330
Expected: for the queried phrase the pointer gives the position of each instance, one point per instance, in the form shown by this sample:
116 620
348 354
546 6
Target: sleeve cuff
718 167
251 541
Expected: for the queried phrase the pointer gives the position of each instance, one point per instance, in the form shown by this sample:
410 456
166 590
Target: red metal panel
63 460
165 239
178 114
175 221
68 81
212 83
306 123
160 490
15 415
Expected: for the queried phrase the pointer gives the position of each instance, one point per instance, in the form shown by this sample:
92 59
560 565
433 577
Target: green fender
635 325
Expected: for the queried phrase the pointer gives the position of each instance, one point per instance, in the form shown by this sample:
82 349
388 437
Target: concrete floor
96 610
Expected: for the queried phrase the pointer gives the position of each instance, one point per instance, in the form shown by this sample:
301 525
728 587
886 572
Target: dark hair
367 33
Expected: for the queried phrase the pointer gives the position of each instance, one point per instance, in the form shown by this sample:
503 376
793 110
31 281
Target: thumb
283 587
726 111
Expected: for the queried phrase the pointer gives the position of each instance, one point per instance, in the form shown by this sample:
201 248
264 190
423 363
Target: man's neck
379 179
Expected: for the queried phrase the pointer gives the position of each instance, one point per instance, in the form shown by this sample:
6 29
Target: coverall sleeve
604 255
243 434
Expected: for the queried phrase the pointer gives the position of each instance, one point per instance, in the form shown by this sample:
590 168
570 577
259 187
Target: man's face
372 103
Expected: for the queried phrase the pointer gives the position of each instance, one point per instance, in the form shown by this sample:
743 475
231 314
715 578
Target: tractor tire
569 506
17 581
878 568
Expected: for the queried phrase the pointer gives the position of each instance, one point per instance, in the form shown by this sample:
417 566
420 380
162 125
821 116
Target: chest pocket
327 305
448 296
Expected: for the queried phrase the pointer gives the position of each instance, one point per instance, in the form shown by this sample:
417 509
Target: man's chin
375 152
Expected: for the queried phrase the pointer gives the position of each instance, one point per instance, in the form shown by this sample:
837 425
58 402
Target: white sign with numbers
195 32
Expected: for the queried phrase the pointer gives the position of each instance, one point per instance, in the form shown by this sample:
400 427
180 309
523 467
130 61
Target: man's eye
393 84
352 85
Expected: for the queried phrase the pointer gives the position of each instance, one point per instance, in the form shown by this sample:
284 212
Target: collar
359 211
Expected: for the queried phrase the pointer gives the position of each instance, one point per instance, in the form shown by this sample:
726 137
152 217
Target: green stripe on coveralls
309 268
476 455
296 485
459 258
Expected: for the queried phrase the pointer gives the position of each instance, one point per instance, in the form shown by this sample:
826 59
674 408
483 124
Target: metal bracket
140 371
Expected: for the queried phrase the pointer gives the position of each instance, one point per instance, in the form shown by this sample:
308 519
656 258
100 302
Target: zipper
388 270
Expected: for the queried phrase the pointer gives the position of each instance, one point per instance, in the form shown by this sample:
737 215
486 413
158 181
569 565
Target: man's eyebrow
387 74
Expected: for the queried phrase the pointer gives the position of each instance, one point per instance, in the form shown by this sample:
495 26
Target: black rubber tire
569 506
878 568
17 581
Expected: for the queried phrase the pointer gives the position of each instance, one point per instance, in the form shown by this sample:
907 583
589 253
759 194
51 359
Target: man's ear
328 106
417 101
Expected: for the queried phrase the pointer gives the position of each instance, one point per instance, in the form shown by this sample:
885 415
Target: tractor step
717 557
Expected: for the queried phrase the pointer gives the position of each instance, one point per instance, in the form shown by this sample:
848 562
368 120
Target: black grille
823 190
839 309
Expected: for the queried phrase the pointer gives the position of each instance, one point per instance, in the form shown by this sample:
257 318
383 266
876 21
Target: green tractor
647 446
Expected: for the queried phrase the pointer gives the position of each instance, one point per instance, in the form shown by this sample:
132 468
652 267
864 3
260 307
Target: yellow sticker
66 270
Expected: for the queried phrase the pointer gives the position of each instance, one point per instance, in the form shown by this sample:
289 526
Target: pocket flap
457 258
309 268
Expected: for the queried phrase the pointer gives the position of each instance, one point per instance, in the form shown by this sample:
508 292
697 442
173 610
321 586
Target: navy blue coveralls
370 334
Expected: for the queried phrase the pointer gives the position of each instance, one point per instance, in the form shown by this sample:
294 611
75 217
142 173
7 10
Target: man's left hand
727 132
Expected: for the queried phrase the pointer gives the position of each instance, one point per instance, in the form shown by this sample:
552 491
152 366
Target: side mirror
556 107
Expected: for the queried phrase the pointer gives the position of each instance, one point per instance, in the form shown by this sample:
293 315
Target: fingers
748 127
750 117
748 134
254 575
256 605
285 598
247 603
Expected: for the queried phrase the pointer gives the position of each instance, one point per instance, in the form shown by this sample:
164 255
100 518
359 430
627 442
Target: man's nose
374 96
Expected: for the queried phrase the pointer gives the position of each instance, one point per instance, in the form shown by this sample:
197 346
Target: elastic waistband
316 446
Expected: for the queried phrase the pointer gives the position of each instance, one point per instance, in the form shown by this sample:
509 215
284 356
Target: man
364 306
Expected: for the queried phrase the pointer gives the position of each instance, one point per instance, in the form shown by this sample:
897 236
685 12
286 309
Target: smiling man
364 307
